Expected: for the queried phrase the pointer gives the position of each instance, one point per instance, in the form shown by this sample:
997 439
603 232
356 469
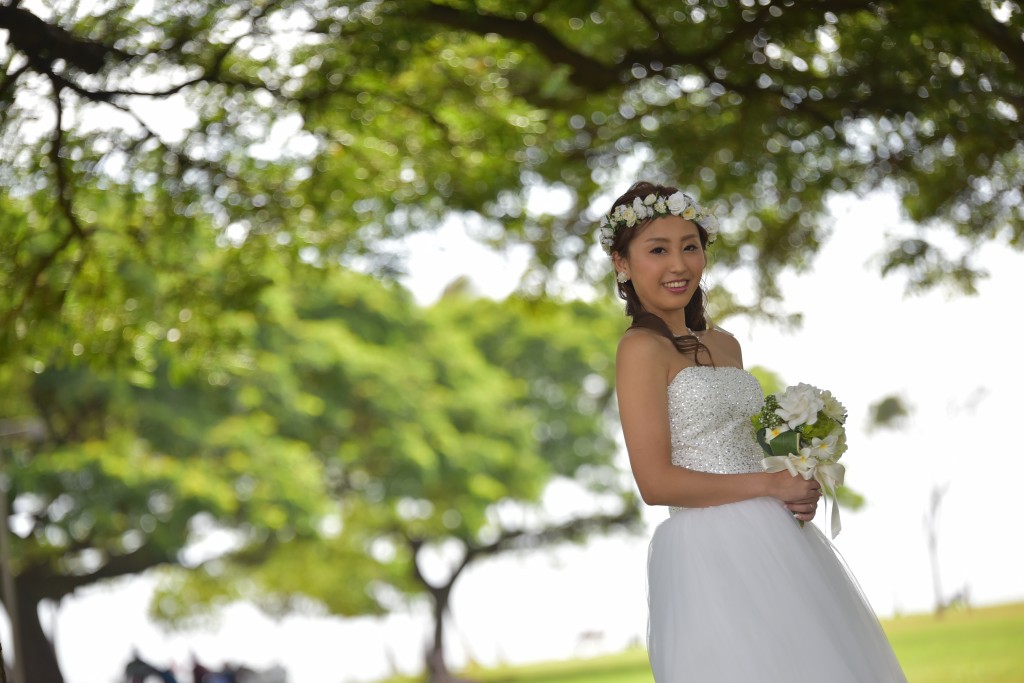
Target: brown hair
696 318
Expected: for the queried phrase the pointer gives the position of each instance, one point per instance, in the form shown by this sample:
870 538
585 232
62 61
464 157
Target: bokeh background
306 350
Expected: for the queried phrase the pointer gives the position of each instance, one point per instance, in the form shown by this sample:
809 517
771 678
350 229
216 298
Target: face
665 263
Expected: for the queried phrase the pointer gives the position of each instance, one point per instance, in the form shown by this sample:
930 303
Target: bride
737 590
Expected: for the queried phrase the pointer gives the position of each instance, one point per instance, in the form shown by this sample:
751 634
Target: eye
658 250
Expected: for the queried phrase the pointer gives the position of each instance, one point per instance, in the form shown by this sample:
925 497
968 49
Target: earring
621 278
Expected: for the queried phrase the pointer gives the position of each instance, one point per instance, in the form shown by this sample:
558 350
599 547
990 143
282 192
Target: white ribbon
829 474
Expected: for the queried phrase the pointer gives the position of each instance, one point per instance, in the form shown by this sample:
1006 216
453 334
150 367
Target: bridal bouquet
801 430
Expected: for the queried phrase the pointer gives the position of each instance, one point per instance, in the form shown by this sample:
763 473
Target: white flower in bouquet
802 463
832 407
772 432
825 449
800 405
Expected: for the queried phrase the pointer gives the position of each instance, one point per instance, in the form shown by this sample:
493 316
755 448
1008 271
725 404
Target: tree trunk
38 657
437 667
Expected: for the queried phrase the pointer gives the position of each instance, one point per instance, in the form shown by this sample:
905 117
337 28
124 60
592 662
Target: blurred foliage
344 433
770 381
889 412
318 130
461 416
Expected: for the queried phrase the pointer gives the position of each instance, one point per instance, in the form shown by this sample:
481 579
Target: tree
563 353
931 531
130 479
494 400
132 475
333 126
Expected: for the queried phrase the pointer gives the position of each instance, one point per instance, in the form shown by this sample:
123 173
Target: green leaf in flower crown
786 443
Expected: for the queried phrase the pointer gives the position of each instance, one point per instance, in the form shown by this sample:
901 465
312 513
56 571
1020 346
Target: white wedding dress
740 593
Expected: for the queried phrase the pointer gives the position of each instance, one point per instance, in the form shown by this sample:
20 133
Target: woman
737 590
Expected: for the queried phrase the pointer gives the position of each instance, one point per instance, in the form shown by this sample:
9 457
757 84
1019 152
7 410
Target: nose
678 263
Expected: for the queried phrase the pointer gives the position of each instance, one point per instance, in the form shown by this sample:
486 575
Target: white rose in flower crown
677 202
640 208
799 405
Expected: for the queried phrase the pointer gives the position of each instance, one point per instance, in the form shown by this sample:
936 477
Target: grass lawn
981 645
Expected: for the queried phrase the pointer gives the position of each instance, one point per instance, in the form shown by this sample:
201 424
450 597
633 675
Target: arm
642 371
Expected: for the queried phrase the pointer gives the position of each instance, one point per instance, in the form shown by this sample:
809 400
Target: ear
621 264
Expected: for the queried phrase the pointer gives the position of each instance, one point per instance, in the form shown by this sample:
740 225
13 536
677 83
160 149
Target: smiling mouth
677 284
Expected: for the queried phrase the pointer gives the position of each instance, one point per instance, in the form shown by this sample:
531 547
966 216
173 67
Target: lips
677 284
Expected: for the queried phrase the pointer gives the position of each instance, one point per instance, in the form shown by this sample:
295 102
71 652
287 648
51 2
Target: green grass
981 645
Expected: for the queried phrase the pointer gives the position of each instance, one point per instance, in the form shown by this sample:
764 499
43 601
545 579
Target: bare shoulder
640 340
643 348
723 346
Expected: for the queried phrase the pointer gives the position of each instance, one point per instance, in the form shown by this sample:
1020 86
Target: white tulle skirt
741 593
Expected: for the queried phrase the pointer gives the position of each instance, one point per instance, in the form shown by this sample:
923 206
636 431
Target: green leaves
785 443
319 132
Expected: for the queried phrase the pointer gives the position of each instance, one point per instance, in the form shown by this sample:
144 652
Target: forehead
670 228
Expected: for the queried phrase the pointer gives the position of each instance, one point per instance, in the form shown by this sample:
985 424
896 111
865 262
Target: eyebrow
665 239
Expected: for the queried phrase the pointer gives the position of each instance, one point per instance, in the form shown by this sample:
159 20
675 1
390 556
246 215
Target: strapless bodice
709 416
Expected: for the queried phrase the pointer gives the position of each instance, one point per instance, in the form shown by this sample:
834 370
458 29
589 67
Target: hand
804 510
799 495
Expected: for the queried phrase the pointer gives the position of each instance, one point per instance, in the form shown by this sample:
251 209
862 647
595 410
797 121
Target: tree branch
648 17
999 34
11 79
587 73
43 43
43 582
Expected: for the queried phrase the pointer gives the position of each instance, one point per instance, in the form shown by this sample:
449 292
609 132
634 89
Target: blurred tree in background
348 434
452 423
187 186
326 127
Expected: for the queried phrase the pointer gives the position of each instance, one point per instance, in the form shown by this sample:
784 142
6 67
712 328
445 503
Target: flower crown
652 206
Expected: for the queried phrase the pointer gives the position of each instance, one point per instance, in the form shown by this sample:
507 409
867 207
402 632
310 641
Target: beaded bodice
709 412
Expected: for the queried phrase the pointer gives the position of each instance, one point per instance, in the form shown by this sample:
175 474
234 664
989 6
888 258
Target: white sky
956 361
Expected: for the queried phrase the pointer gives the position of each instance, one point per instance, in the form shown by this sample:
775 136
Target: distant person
738 592
139 671
199 671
